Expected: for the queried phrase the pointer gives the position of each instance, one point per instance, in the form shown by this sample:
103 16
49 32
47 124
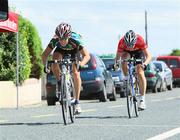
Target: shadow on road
30 124
101 117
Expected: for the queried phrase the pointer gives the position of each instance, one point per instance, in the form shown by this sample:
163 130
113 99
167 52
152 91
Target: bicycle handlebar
140 61
65 61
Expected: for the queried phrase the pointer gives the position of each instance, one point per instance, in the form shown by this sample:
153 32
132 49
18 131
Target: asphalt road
98 121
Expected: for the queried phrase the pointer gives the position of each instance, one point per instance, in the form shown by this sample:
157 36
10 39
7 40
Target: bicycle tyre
132 105
67 108
72 106
128 98
64 103
136 89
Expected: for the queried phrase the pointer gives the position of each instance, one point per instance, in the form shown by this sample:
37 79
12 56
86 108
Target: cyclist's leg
125 55
55 67
140 73
142 81
77 84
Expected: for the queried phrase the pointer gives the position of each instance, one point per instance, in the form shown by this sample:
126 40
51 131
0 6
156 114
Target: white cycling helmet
130 38
63 30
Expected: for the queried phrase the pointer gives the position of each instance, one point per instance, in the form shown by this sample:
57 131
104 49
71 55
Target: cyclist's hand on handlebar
78 65
46 70
115 67
144 66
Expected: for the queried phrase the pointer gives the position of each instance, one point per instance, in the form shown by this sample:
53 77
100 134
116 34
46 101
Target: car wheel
113 95
164 85
154 90
51 101
160 89
122 94
103 95
169 87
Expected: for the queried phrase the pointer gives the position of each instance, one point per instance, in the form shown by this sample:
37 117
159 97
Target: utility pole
146 27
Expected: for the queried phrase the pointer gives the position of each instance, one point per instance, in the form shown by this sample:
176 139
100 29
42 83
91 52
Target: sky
102 22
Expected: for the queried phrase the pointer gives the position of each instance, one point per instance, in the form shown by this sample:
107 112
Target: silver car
166 74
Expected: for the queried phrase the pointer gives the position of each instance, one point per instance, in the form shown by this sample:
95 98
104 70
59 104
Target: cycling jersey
74 43
140 45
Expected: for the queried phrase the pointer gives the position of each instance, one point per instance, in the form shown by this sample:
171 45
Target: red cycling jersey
140 45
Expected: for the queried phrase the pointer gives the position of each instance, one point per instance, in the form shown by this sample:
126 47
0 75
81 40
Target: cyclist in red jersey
133 45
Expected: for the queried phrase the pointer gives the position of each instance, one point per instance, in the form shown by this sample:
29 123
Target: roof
168 56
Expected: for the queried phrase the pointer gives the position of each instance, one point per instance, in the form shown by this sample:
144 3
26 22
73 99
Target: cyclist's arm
147 56
49 49
45 54
118 56
85 55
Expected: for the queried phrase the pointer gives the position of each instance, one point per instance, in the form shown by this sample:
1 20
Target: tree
111 55
7 56
175 52
30 50
35 50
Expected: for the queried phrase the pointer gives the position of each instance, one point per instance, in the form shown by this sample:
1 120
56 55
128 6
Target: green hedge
30 50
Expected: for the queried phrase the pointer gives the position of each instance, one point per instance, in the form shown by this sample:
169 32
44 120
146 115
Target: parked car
166 74
154 80
118 76
97 81
173 63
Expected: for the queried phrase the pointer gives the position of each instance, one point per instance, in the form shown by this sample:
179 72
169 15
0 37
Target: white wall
29 93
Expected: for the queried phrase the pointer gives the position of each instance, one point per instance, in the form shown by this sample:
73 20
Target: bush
35 50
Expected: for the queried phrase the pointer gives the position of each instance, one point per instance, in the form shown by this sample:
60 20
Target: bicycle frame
132 86
131 76
66 87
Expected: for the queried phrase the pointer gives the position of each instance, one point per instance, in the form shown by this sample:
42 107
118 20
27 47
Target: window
165 60
174 63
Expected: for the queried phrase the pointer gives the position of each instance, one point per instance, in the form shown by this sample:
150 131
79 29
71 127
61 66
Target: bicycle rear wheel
137 94
72 91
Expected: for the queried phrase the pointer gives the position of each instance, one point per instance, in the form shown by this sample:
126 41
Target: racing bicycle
132 86
65 89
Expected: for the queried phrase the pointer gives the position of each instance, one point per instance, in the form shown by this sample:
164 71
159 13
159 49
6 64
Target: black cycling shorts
74 53
138 54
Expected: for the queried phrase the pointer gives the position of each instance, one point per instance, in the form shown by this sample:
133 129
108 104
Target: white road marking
44 115
124 125
89 110
51 115
3 121
166 135
115 106
165 99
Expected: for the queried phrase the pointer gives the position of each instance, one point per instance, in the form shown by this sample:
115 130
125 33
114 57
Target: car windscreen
90 64
174 63
158 66
108 63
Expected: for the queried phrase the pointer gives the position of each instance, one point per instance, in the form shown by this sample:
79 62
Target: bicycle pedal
60 102
76 113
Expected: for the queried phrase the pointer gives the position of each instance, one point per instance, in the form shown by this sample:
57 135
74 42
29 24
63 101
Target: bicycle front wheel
132 105
67 109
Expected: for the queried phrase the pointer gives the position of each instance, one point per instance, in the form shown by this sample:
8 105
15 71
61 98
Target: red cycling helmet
63 30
